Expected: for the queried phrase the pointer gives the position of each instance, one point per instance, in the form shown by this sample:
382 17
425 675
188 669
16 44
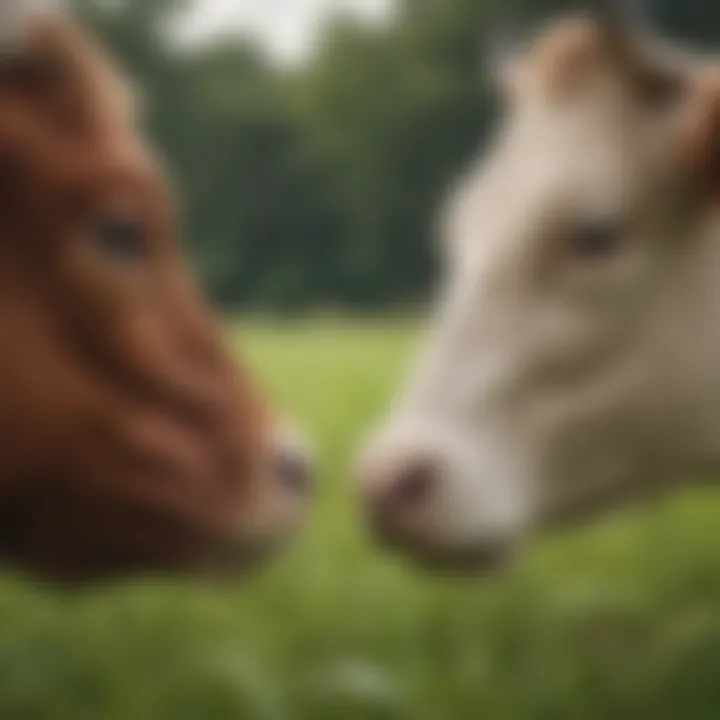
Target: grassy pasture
621 620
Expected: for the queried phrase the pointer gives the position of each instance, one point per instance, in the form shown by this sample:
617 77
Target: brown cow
129 441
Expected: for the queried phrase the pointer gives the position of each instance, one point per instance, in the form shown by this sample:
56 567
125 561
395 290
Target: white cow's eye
597 240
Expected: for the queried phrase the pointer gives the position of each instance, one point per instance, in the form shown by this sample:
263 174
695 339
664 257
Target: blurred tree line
318 184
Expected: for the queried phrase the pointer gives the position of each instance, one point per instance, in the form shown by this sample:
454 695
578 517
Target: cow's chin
462 561
222 558
474 560
227 563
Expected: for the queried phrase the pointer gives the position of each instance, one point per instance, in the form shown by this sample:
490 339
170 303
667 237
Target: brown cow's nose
294 471
293 465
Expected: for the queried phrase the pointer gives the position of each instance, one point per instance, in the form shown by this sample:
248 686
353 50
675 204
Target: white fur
550 384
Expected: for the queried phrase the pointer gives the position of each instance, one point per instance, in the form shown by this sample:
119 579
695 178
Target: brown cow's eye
598 239
121 239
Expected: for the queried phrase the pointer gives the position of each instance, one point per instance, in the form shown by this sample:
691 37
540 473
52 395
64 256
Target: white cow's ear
17 17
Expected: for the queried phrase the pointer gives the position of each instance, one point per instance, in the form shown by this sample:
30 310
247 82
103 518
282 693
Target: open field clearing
621 620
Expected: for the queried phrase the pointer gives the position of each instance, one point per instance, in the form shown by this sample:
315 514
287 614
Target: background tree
318 185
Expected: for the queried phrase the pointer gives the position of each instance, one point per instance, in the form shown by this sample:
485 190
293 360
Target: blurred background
310 142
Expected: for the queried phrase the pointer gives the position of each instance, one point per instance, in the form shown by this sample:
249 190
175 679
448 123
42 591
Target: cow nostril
393 488
294 472
413 485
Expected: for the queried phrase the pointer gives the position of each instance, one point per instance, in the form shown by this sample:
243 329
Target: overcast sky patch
289 28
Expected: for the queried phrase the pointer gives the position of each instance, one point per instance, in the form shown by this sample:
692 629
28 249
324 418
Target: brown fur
128 439
703 131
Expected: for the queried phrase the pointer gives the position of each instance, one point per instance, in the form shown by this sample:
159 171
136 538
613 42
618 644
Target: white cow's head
574 358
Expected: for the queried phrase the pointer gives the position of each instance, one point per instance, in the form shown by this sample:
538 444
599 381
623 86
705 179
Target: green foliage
617 621
315 186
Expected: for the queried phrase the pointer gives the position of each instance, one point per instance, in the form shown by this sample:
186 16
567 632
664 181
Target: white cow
574 359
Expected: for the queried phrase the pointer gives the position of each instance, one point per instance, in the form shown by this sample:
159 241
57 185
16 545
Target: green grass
621 620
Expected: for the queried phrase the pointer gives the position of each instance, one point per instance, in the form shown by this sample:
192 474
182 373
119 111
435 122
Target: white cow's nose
419 497
397 487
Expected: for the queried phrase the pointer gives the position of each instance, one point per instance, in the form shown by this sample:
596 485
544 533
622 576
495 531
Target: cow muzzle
432 495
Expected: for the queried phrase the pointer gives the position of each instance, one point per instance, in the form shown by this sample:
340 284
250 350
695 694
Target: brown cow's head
128 439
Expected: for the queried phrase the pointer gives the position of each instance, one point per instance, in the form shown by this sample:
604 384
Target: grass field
618 621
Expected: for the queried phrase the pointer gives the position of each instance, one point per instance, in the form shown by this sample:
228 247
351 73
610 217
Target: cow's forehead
544 164
67 115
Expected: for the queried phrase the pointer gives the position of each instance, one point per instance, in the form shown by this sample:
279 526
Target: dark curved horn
623 24
621 21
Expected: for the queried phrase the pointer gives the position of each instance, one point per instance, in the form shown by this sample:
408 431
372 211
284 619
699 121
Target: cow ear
59 68
657 79
16 20
703 137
